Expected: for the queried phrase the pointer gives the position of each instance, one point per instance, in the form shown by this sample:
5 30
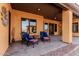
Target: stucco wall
16 22
3 31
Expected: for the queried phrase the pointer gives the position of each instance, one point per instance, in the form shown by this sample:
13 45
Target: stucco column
67 26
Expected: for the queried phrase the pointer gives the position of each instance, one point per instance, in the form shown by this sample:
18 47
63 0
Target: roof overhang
73 6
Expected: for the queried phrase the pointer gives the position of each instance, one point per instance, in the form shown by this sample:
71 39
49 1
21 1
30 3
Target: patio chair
44 36
28 39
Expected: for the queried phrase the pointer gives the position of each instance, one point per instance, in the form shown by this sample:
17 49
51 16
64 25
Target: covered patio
59 21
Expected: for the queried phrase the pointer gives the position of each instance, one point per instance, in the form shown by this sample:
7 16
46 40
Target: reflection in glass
32 26
32 22
25 25
46 26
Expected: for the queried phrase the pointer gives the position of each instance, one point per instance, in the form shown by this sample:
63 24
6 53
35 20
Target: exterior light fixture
38 9
55 18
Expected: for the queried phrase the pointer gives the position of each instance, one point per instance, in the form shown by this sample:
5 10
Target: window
28 25
55 27
32 26
75 27
45 26
25 25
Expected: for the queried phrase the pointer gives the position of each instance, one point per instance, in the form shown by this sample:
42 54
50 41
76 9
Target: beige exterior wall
76 20
16 22
4 31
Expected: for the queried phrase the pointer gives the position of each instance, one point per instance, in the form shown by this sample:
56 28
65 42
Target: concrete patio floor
18 49
76 51
75 40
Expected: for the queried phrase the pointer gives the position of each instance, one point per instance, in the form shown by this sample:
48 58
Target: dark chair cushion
26 36
44 36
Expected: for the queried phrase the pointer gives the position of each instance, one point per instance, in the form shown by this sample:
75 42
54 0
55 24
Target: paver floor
53 48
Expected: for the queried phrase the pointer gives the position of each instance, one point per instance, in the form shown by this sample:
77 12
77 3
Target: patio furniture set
33 39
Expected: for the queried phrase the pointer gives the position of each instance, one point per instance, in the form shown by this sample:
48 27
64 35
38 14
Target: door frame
9 41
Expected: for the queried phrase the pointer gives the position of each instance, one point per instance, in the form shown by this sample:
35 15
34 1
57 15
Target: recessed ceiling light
55 18
38 9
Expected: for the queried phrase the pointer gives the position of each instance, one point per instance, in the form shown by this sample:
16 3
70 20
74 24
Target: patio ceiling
49 11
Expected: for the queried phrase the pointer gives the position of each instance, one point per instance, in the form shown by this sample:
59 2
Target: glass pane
25 25
33 29
32 26
32 22
45 26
